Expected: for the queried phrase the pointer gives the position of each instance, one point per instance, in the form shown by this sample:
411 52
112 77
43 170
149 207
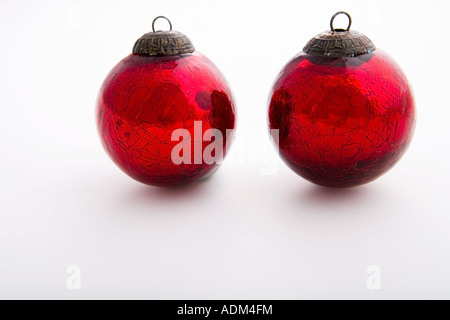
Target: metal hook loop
161 17
335 15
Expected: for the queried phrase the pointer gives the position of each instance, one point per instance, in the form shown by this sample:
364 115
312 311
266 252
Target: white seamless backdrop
246 233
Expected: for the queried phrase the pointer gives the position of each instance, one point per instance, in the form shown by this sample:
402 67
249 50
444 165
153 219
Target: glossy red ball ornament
343 109
162 87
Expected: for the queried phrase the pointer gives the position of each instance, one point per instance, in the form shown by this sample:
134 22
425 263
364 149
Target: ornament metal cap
336 43
163 43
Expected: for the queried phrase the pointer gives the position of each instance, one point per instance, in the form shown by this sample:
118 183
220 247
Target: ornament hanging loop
335 15
161 17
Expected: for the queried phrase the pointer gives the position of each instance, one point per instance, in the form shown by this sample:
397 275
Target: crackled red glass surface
342 121
145 98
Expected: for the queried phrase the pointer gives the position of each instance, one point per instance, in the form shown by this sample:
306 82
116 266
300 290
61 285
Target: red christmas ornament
156 106
344 110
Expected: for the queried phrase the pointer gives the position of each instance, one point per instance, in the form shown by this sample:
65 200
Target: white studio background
241 234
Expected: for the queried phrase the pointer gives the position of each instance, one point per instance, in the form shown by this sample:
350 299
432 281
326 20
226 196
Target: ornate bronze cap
163 43
337 43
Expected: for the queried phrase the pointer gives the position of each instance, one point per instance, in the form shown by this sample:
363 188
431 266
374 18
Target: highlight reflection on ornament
163 86
344 110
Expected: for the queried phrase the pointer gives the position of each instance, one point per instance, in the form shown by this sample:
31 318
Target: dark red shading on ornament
161 87
344 110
